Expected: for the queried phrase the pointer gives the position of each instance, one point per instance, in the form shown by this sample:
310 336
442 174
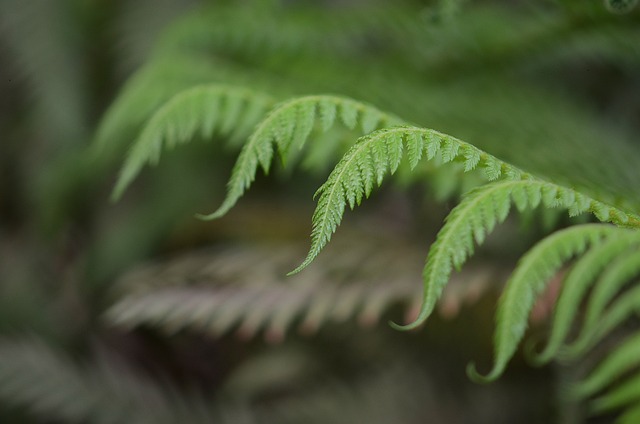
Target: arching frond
619 311
622 359
291 123
608 379
619 273
529 280
582 276
227 110
145 92
366 163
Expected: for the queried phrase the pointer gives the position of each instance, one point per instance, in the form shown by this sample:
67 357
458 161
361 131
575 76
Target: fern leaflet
578 282
291 123
527 281
230 111
615 365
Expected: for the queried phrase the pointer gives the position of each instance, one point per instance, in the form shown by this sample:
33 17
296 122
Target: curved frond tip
290 124
206 109
599 261
528 281
374 155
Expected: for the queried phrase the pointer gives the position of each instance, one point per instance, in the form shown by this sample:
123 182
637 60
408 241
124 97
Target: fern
528 280
608 373
547 158
582 276
145 92
365 165
291 123
49 384
615 315
192 291
373 156
230 111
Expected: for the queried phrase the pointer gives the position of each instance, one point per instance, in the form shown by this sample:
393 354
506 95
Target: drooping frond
622 359
620 272
145 92
372 156
577 283
610 318
205 110
290 124
616 380
529 280
214 292
366 163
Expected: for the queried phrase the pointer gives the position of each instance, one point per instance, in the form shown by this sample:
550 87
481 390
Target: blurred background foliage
552 86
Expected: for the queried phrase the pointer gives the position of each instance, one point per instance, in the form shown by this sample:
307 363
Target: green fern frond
621 360
622 395
619 273
612 317
577 283
529 280
143 93
613 278
372 156
608 378
207 109
291 123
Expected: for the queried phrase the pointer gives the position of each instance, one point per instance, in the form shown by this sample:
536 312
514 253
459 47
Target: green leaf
290 122
577 283
622 359
200 109
528 280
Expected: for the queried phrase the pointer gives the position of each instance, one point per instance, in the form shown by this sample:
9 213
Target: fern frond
618 274
622 359
612 317
34 376
608 377
622 395
613 278
576 284
229 111
372 156
291 123
632 416
274 309
143 93
214 292
259 299
528 280
366 163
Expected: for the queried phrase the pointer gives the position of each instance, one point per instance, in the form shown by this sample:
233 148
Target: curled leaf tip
476 377
219 213
405 327
534 357
209 217
302 266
